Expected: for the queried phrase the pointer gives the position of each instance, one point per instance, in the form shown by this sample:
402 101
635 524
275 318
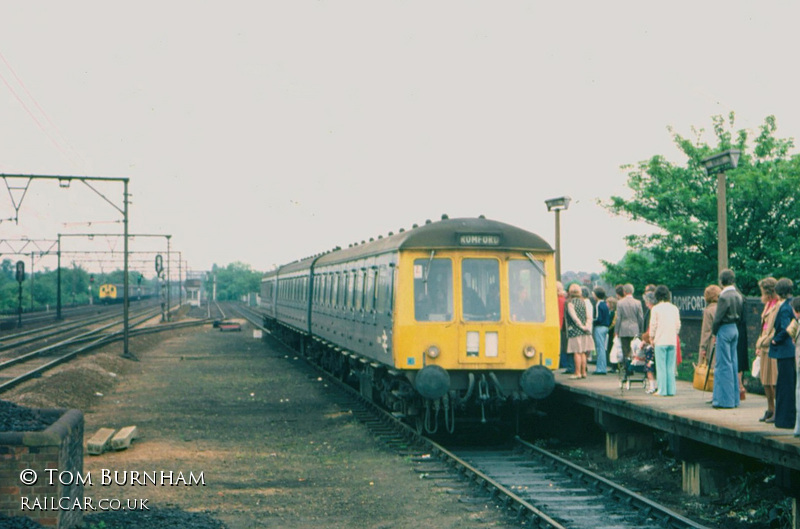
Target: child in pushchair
641 367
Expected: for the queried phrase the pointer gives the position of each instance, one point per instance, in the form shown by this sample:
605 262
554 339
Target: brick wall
58 447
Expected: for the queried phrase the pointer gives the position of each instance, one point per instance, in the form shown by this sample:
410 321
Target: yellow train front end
477 324
107 293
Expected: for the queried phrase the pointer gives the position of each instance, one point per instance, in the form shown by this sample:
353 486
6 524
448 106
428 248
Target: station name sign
479 239
690 302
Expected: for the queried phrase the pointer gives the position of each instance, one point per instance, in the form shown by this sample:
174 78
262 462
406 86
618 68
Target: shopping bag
616 351
756 369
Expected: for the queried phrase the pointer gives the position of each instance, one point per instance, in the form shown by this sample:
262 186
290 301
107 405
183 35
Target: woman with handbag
706 347
768 366
711 295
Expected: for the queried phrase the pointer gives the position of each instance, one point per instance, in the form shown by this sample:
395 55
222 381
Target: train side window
335 290
433 289
480 289
526 291
383 289
371 290
351 289
358 287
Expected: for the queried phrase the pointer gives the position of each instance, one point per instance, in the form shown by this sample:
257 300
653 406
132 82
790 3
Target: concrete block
100 441
124 438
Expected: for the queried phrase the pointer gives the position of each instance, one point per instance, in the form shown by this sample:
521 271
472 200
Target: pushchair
633 370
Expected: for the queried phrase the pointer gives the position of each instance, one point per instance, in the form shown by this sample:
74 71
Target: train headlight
529 351
432 351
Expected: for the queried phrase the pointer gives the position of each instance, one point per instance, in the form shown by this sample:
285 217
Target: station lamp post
718 164
558 205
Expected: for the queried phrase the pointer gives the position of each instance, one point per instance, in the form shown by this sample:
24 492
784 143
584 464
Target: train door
481 337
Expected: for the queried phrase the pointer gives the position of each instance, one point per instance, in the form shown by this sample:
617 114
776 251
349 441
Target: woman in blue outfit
781 348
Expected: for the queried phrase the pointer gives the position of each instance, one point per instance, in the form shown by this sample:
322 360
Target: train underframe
478 397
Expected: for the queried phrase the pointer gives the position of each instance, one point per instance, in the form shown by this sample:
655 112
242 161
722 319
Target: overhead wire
68 152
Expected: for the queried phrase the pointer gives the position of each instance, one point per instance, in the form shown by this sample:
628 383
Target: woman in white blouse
665 324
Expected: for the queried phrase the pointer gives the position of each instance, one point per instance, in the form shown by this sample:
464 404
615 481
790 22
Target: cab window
526 290
433 289
480 289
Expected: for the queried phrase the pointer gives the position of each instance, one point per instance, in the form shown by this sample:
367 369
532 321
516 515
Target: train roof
445 234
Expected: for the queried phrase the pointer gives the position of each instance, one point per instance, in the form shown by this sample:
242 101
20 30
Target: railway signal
20 279
20 271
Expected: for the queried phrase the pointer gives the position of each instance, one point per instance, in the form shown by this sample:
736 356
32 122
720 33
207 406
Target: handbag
700 373
793 329
756 369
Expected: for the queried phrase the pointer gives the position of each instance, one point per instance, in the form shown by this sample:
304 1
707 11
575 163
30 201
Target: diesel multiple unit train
110 293
457 318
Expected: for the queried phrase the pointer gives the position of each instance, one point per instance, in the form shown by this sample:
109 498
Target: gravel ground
273 449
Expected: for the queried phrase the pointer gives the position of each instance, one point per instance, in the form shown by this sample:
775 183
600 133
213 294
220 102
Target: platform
689 415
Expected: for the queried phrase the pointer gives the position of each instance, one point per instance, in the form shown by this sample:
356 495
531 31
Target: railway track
18 343
33 320
537 488
32 363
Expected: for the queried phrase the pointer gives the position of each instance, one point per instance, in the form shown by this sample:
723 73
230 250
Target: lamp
558 205
721 162
718 164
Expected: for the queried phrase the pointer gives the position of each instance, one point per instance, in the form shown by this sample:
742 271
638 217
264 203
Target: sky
265 131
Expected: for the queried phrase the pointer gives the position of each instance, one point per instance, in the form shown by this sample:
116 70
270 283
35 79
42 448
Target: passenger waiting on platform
630 319
711 295
769 366
796 310
665 324
602 321
782 348
588 299
742 353
729 310
565 360
579 333
612 309
649 299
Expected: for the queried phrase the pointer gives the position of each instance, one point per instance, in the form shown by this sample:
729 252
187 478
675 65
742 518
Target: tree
234 281
680 201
